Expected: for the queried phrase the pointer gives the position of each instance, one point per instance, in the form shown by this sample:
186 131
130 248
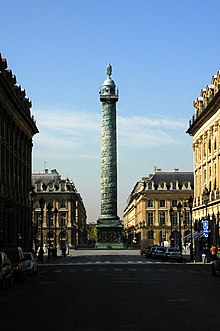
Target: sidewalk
186 259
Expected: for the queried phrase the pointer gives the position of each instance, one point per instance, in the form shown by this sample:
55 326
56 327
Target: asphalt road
111 295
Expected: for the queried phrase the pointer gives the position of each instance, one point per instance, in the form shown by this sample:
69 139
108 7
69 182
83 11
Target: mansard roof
174 176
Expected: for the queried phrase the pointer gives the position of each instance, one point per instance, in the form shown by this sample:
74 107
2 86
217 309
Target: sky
162 54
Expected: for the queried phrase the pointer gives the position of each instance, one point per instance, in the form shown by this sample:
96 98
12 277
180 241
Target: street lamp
179 208
205 196
32 197
171 225
41 252
190 204
55 227
49 208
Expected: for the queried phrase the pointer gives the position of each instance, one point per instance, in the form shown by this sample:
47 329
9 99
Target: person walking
213 251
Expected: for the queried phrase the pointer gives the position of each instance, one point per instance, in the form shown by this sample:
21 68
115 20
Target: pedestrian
218 252
213 251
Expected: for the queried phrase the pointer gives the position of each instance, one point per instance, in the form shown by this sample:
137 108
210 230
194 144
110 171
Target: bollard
204 258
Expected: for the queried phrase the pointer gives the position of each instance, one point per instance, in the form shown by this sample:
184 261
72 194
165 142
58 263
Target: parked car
16 257
150 251
216 267
173 253
159 252
6 274
31 263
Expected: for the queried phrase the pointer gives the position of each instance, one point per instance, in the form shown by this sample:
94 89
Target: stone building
65 221
152 205
204 127
17 127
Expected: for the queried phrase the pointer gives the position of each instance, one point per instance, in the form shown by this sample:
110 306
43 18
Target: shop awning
195 235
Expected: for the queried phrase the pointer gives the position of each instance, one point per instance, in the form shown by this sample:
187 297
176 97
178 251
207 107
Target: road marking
58 271
147 269
117 269
177 300
87 269
162 270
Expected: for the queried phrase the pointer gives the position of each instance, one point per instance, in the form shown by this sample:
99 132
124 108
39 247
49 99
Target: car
159 252
215 267
31 263
16 257
173 253
150 251
6 274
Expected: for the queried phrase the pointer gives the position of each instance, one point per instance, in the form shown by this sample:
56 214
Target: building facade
17 127
61 220
152 211
204 127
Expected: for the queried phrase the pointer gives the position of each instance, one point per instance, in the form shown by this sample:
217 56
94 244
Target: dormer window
51 186
149 185
162 186
173 185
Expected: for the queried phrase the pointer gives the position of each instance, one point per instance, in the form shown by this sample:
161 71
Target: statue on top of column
109 70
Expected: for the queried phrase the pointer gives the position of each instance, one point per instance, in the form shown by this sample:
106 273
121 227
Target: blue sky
162 53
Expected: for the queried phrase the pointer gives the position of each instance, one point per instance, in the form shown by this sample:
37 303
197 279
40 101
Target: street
113 292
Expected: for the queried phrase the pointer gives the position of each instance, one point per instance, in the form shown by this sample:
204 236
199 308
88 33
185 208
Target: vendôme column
109 227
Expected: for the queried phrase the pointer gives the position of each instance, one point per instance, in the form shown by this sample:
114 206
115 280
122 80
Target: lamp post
41 253
190 204
55 227
179 208
171 226
49 208
32 197
205 196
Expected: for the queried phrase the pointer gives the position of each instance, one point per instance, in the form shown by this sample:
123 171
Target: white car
31 263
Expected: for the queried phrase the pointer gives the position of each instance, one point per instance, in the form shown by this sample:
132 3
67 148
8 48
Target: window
174 185
63 204
149 185
174 203
149 203
186 220
162 218
49 220
210 145
62 220
162 203
175 218
150 234
150 218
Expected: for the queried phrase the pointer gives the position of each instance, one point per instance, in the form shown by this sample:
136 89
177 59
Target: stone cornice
205 105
